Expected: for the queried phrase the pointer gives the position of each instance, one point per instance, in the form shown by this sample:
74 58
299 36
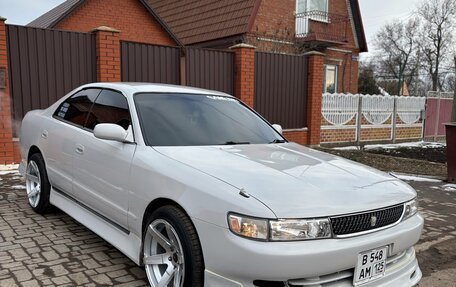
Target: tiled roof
50 18
195 21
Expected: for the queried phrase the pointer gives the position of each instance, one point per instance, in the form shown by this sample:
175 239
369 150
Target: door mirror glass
110 132
278 128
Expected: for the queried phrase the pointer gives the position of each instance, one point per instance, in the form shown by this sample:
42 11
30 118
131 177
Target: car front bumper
234 261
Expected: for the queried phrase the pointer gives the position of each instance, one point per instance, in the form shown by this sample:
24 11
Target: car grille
370 220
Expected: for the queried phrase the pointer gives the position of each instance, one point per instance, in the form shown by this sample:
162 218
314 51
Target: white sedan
202 191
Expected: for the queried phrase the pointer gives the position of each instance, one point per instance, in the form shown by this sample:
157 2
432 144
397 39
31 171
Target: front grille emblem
373 220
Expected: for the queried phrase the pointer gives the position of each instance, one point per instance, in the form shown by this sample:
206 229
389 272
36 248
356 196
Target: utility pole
453 114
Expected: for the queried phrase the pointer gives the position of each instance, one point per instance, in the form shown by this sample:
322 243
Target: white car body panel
101 175
110 185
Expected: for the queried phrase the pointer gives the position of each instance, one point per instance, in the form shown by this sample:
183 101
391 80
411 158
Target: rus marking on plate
2 78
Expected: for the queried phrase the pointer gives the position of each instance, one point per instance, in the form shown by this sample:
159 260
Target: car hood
295 181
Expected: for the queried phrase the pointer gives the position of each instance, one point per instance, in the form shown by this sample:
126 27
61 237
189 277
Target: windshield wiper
278 141
235 143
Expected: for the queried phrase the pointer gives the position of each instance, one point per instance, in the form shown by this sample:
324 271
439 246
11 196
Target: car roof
132 88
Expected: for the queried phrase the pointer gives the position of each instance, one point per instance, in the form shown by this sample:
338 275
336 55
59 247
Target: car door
59 134
102 167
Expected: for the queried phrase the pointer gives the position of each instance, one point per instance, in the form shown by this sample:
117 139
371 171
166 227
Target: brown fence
281 89
204 68
210 69
150 63
46 64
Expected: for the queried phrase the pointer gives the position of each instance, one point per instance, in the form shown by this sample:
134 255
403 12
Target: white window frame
336 77
302 22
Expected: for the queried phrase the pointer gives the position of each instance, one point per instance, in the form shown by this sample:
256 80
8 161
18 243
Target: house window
330 80
316 10
311 5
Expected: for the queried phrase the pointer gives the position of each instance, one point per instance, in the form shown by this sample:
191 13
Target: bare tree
398 53
367 83
438 17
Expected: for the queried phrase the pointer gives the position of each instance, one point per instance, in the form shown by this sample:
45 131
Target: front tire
37 184
172 252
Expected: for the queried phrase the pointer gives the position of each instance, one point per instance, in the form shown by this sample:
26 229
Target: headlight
287 230
248 227
279 230
410 208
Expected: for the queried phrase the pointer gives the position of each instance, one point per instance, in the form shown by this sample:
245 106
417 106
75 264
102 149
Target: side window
76 108
110 107
330 79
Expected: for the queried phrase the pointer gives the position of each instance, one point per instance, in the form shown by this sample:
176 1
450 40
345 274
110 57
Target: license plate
371 265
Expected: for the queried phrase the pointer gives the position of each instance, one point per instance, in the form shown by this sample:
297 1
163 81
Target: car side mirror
110 132
278 128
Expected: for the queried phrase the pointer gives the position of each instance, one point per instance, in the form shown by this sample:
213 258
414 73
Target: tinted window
110 107
185 120
76 108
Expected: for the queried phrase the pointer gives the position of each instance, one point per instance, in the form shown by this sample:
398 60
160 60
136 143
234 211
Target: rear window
76 108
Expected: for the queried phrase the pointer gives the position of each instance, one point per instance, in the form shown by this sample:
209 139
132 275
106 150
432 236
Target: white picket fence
345 111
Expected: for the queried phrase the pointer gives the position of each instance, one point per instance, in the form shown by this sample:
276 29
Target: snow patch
449 187
9 167
4 172
420 144
18 187
414 177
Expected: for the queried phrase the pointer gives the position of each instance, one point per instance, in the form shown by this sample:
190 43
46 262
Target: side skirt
126 242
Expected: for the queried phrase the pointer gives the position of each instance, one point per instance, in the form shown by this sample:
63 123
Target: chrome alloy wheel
163 255
33 183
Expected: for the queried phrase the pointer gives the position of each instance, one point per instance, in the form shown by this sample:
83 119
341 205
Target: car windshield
193 120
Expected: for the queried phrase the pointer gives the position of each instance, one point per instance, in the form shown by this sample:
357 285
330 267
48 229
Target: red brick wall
297 136
244 81
129 16
9 152
314 97
108 55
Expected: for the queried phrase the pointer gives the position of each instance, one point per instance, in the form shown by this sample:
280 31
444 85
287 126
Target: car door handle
44 134
79 149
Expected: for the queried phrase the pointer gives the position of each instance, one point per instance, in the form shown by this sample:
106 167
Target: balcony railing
322 27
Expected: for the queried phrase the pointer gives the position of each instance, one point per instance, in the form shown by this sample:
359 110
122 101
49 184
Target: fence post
9 152
108 54
393 131
314 96
244 74
359 117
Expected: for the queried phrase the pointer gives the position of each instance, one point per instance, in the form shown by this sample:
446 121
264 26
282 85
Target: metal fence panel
281 89
149 63
46 64
210 69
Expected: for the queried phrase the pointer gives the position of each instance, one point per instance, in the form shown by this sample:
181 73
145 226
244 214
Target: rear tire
171 246
37 184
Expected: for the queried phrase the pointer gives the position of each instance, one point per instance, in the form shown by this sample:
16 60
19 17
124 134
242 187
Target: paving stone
102 279
79 278
23 275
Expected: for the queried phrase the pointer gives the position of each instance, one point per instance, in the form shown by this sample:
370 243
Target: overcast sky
375 12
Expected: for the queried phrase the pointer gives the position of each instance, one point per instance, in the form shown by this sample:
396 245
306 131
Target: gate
281 89
438 112
46 64
210 69
195 67
149 63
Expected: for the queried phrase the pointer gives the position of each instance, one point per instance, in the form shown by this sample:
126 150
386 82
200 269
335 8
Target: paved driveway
54 250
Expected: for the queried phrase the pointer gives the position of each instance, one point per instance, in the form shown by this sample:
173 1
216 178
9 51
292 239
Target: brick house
333 27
